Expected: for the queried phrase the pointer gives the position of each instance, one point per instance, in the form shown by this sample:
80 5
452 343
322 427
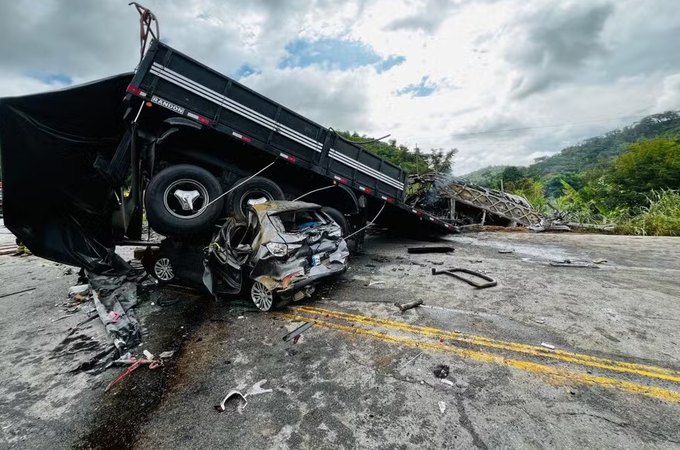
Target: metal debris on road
570 263
167 354
17 292
599 261
447 382
222 406
430 249
295 334
441 371
490 282
510 250
406 306
410 361
442 407
546 345
257 389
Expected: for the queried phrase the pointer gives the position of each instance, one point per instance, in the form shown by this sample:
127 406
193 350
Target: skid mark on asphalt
346 322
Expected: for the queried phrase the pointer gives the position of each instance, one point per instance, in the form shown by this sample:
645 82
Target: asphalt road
361 376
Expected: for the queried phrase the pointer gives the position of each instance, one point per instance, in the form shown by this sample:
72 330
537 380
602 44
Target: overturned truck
187 148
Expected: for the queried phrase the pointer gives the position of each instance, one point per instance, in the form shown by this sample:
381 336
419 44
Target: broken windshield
297 221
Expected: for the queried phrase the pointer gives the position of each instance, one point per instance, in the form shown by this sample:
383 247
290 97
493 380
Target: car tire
172 215
263 298
159 266
257 187
338 217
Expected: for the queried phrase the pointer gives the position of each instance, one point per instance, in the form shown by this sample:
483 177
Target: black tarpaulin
54 200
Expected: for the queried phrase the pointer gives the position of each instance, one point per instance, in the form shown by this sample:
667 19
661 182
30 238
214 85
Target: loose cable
242 182
367 225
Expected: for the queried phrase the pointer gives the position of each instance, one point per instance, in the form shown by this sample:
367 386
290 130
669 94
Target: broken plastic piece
546 345
166 355
234 393
447 382
599 261
257 389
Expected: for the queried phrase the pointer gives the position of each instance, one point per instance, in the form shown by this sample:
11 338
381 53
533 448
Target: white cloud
496 65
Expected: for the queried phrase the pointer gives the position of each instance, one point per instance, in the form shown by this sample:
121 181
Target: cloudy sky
503 81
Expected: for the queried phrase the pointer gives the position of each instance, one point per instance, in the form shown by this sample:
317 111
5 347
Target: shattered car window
296 221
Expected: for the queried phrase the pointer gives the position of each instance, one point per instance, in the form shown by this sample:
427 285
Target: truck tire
176 201
338 217
257 187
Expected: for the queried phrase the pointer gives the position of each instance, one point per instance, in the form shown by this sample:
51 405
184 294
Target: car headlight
278 249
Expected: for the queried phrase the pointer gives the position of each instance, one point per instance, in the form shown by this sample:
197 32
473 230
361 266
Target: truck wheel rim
252 194
261 296
163 269
178 209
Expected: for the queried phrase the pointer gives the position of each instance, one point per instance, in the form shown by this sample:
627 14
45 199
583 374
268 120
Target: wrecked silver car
282 251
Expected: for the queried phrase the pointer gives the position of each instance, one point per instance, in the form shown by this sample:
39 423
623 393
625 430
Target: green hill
593 151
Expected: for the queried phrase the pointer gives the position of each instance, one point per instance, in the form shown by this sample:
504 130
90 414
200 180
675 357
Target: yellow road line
553 373
577 358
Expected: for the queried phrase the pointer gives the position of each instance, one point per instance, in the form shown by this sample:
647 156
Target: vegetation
627 177
412 161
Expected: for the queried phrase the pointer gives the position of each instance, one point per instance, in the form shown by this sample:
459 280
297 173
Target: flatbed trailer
253 128
91 166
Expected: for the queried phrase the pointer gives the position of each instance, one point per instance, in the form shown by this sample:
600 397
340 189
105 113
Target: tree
646 166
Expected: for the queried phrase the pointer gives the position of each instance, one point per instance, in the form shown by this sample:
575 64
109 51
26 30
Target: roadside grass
660 218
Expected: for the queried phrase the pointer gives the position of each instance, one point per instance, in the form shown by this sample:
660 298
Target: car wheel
255 188
178 200
159 266
261 296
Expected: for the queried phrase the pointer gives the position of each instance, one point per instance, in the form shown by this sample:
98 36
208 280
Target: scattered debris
570 263
447 382
375 282
490 282
442 407
221 407
406 306
431 249
257 389
541 320
410 361
136 365
166 355
510 250
441 371
599 261
546 345
295 334
17 292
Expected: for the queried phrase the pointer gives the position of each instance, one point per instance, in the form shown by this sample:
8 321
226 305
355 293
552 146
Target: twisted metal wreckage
188 147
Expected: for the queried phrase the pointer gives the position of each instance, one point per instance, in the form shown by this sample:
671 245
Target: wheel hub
261 296
163 269
186 198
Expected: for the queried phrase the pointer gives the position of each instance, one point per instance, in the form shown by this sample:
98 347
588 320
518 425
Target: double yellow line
319 317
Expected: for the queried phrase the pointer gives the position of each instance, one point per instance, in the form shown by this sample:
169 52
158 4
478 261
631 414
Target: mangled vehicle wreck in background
281 252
